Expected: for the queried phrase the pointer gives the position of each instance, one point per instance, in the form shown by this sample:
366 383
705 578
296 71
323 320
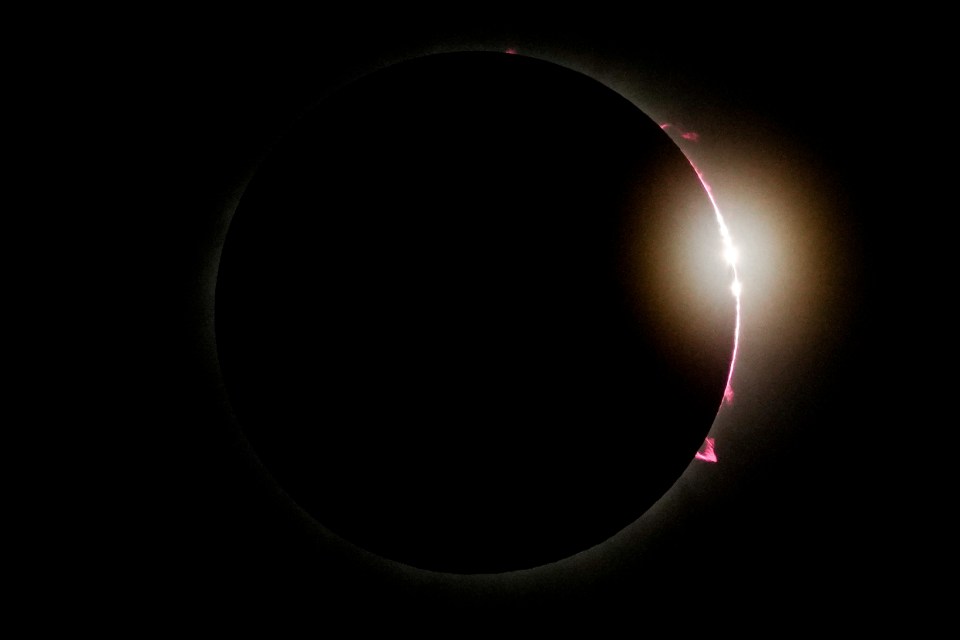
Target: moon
457 315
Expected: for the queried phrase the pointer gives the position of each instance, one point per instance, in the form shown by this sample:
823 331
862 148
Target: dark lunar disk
440 313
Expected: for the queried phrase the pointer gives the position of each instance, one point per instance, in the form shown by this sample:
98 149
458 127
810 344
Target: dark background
828 516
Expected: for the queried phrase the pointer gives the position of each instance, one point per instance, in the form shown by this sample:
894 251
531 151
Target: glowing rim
730 253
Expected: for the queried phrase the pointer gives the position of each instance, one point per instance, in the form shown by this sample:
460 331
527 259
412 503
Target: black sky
823 519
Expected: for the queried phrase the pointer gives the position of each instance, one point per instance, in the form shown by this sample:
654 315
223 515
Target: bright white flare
736 287
732 256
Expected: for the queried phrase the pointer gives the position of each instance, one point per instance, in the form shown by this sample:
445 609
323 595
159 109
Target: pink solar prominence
707 452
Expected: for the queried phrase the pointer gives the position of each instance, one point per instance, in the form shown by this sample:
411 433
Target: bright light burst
731 255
